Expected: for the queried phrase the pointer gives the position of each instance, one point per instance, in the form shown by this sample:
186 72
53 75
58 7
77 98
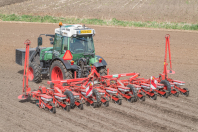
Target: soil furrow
164 117
142 121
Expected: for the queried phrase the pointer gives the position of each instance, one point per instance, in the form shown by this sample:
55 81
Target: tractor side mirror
51 41
40 41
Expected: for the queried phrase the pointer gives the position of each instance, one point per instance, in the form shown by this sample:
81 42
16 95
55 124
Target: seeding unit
105 88
43 100
173 86
97 89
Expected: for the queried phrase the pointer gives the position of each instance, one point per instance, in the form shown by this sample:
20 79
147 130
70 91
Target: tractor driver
77 46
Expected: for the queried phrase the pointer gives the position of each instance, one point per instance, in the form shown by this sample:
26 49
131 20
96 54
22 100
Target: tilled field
125 50
130 10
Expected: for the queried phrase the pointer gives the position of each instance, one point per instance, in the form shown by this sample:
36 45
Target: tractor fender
66 63
97 64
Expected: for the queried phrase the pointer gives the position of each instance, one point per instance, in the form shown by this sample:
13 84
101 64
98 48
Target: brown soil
9 2
131 10
125 50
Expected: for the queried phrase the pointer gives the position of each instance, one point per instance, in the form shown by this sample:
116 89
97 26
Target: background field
131 10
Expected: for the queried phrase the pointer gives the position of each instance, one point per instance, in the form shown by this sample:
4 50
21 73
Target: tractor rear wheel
102 71
34 73
59 72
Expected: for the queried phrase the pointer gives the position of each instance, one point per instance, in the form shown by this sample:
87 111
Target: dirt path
125 50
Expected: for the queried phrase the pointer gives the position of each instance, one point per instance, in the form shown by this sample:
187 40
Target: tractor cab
75 40
79 46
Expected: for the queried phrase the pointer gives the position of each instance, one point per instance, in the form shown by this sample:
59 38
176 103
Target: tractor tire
70 95
132 88
36 60
34 73
59 72
97 95
167 84
102 71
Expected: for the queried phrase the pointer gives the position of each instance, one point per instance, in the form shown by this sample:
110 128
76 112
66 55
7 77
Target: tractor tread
37 72
103 71
67 74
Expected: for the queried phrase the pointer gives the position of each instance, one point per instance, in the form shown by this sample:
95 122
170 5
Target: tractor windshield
82 44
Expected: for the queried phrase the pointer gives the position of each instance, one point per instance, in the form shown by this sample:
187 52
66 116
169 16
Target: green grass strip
112 22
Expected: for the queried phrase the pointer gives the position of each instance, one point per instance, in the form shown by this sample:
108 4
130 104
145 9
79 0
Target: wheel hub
56 74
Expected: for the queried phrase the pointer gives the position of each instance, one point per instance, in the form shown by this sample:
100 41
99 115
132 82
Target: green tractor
72 52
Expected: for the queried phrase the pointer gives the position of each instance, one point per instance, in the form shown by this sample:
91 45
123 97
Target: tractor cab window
90 46
57 45
82 44
65 44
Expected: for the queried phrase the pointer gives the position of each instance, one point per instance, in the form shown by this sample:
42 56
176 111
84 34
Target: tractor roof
74 30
